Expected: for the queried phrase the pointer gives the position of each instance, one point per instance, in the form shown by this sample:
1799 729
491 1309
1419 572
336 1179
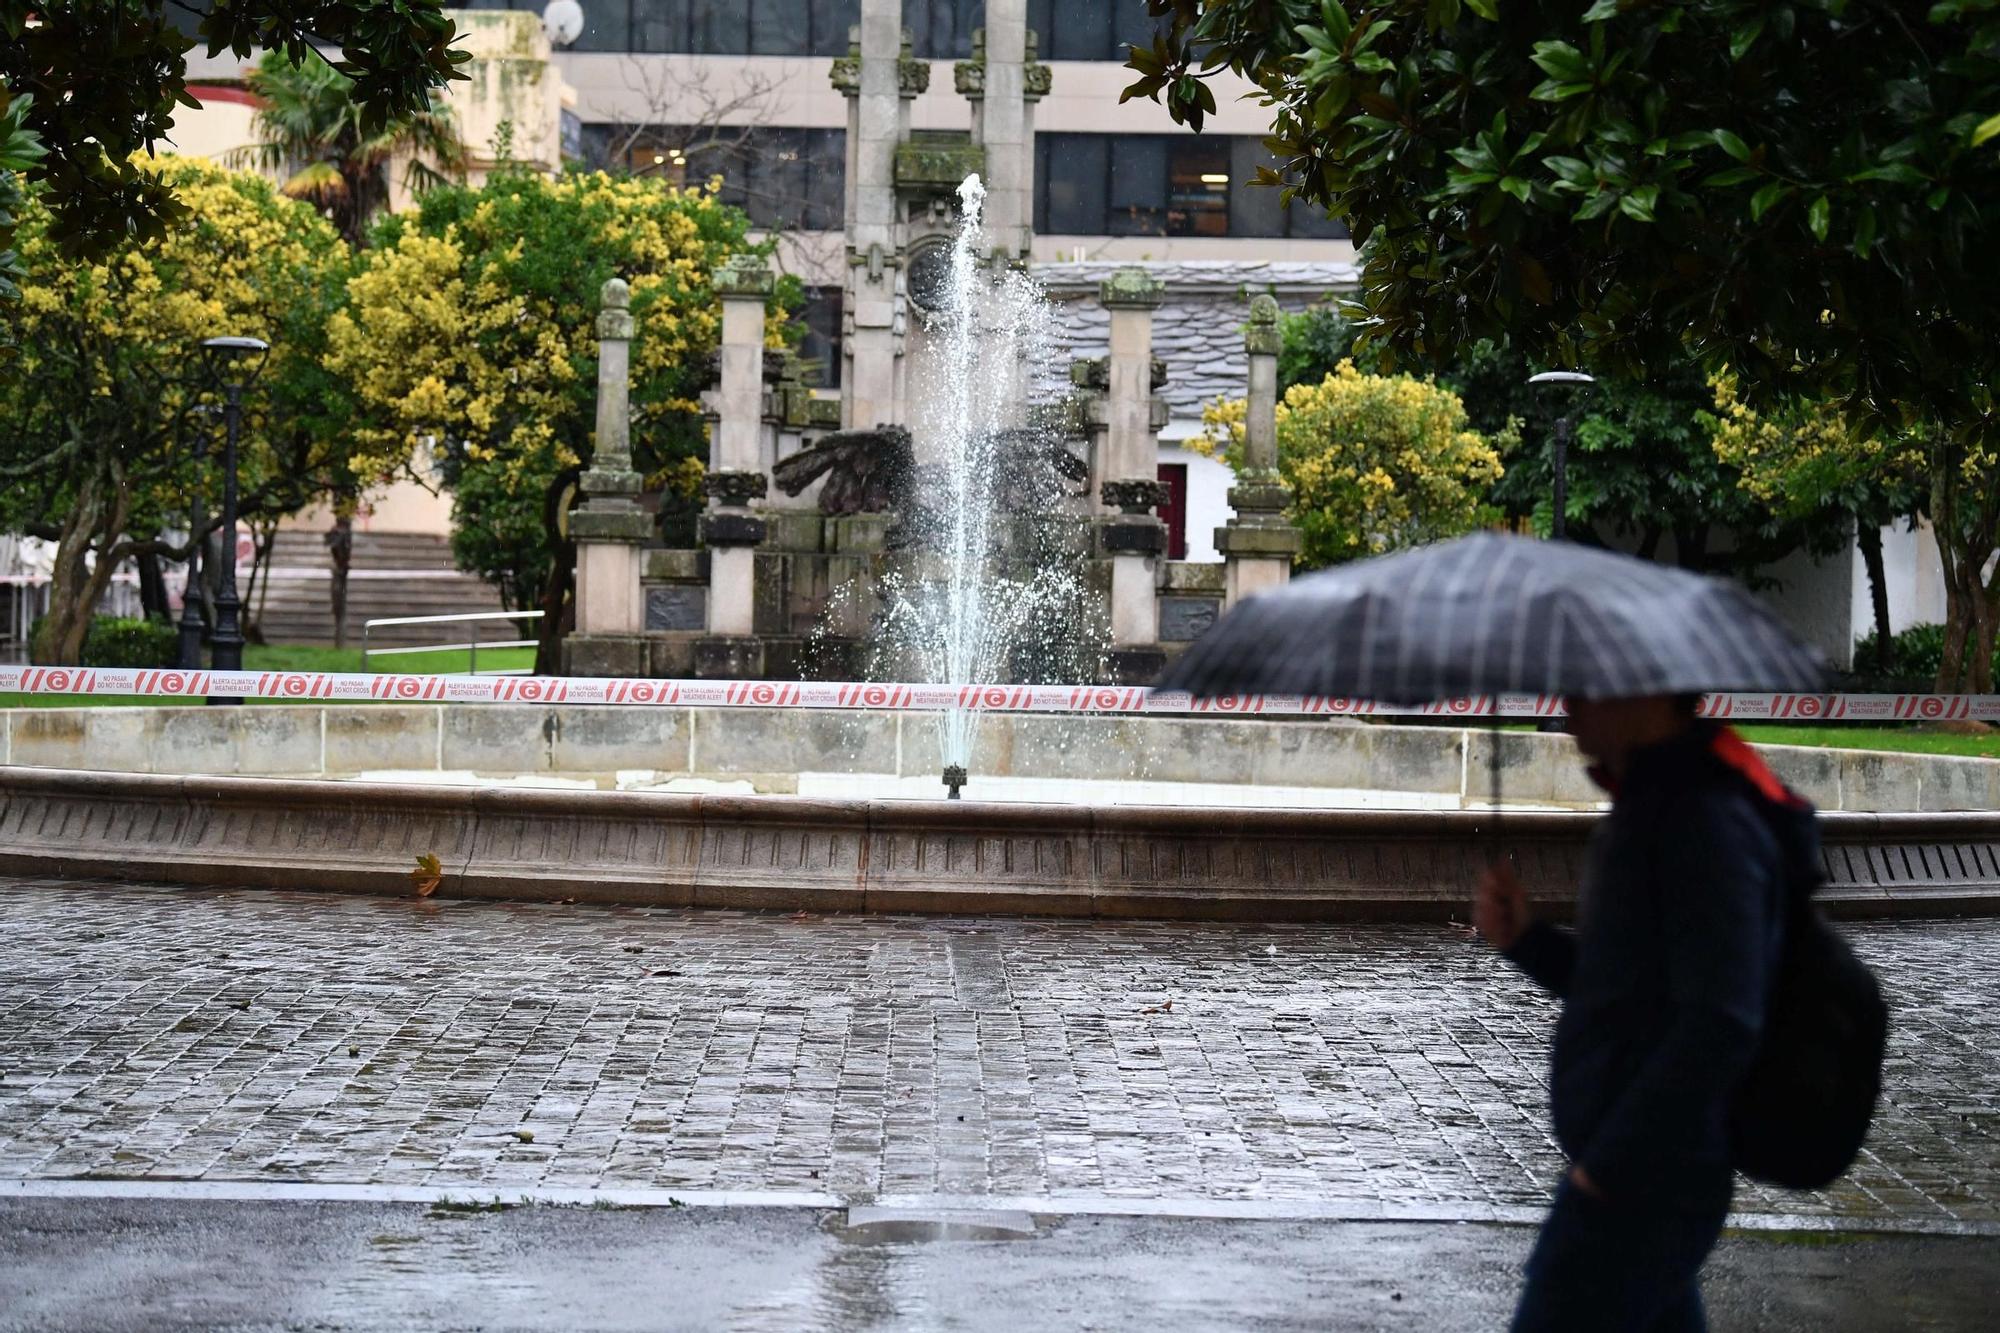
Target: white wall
1208 490
1914 576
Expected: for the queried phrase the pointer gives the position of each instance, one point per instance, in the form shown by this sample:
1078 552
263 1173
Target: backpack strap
1735 754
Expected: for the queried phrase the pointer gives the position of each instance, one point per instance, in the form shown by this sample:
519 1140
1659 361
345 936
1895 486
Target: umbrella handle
1494 855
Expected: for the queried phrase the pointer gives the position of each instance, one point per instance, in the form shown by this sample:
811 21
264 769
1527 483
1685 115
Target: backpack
1799 1116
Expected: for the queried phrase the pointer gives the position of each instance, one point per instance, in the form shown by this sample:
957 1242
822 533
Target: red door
1174 512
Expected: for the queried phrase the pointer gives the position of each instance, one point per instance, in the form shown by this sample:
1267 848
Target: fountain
978 581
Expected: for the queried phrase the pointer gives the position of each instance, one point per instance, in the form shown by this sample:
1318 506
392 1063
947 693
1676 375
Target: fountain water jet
982 592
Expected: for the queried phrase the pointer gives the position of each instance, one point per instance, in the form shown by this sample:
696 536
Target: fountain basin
664 849
1097 758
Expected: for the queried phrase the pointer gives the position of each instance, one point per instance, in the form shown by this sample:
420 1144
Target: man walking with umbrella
1682 917
1664 986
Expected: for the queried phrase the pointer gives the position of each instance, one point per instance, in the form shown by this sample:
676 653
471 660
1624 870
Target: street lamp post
1559 454
233 363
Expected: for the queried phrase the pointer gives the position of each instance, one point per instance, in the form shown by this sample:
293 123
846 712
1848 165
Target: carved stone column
1258 543
736 473
879 79
1131 535
609 527
1003 81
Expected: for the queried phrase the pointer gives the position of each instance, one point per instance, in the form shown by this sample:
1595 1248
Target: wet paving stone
271 1036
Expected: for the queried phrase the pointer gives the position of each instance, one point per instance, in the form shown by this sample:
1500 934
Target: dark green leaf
1732 144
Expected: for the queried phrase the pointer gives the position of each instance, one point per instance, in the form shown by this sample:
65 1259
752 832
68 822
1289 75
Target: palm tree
311 126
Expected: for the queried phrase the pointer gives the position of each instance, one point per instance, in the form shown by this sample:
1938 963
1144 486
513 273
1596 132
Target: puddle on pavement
896 1226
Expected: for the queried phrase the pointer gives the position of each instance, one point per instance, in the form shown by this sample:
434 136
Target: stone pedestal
609 527
1135 542
738 473
1258 544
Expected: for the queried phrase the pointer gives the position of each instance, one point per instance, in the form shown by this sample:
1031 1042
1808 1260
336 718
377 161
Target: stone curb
670 850
1444 764
864 1209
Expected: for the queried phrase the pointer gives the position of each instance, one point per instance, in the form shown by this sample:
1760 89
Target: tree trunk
254 592
340 544
557 587
1691 549
95 519
1868 536
152 587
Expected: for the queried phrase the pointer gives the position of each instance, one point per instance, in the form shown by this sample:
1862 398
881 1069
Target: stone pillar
1132 450
736 474
1132 536
879 81
609 527
1003 80
1258 543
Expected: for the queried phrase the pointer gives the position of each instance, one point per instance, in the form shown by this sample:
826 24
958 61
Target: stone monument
1258 544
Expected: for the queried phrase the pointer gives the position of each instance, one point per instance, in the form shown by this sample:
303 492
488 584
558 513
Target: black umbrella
1493 614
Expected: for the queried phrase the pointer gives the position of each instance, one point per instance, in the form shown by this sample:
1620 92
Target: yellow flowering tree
96 417
1809 462
1810 455
470 337
1375 462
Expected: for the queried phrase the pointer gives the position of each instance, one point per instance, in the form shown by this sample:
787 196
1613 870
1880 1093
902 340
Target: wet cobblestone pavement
166 1033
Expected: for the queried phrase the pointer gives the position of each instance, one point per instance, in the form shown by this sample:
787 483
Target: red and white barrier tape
335 687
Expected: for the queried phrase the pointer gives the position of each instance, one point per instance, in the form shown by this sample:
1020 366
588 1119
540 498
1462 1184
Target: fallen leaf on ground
427 876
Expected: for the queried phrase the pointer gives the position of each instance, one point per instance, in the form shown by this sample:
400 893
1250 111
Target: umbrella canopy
1494 614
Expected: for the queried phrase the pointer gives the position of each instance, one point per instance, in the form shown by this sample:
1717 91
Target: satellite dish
563 21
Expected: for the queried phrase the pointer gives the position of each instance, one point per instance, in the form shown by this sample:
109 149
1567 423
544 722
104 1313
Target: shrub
115 641
1915 656
1375 462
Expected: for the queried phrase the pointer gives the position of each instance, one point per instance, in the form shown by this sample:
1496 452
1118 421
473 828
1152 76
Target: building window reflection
1165 185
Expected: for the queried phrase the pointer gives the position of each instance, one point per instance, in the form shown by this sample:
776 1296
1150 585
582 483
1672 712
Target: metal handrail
368 626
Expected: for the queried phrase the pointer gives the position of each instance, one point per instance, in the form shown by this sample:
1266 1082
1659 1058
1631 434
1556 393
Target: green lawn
1915 739
301 657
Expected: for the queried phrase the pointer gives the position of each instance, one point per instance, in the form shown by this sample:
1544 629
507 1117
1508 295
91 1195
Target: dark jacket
1665 978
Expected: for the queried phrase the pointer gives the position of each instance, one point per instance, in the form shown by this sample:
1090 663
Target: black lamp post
1559 455
232 363
194 624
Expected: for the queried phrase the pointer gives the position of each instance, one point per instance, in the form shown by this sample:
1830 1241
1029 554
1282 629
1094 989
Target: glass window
1089 29
719 27
1079 30
659 25
779 28
1073 179
821 316
1310 222
831 20
826 199
1138 203
942 29
1254 210
606 27
1198 186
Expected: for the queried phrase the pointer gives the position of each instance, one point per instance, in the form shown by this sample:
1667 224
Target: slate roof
1198 329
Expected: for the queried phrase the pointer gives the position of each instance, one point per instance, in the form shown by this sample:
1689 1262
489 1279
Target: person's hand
1584 1184
1500 907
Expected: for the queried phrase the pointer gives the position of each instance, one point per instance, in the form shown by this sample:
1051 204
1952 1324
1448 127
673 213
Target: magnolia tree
1809 461
107 78
1796 191
97 425
1375 462
470 335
